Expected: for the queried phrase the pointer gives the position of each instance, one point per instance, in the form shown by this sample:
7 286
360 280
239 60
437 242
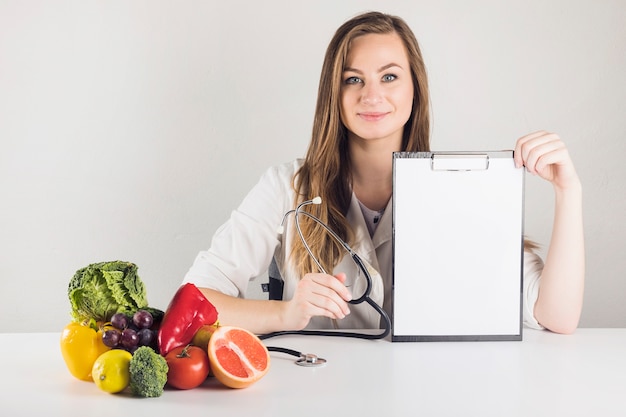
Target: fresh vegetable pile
120 342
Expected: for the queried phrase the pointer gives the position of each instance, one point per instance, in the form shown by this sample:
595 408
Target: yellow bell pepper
81 345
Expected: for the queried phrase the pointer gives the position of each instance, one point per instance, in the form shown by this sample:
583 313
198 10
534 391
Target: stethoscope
311 360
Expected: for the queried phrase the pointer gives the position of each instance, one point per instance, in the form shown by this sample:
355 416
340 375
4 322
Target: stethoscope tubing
358 261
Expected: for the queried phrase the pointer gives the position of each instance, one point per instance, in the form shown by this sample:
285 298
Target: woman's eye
353 80
389 77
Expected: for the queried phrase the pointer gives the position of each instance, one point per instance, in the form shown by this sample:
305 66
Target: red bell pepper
187 312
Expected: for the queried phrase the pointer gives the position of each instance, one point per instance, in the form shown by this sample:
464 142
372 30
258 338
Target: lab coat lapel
384 230
365 247
363 244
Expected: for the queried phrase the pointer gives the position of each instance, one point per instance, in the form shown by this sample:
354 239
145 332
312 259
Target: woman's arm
316 295
560 299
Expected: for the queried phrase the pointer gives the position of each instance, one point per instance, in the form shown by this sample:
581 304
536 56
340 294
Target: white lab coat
243 247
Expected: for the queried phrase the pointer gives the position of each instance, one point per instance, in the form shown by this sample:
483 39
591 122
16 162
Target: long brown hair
326 168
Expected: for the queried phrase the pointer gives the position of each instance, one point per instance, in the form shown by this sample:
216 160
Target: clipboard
458 246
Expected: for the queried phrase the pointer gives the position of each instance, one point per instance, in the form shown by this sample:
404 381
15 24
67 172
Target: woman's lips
372 116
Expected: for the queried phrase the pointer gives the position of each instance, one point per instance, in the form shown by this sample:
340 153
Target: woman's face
377 88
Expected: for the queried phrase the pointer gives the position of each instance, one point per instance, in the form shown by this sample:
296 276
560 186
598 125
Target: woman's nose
371 94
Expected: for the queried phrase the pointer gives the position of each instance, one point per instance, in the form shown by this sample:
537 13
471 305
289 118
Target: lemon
111 372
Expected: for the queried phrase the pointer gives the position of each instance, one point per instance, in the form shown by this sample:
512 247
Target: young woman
373 100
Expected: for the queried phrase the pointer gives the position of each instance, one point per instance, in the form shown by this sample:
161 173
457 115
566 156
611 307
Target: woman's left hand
544 154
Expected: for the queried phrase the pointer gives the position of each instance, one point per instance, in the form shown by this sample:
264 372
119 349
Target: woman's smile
372 116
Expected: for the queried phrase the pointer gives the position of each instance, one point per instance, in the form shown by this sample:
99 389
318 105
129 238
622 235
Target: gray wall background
130 129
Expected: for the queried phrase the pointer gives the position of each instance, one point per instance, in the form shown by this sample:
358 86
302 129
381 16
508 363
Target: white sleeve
242 248
533 266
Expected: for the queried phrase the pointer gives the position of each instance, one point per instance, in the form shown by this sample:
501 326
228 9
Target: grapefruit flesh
238 357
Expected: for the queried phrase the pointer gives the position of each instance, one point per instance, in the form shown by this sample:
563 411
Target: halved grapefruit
238 357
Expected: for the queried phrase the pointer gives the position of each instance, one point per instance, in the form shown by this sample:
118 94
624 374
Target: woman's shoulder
286 168
533 263
273 192
282 173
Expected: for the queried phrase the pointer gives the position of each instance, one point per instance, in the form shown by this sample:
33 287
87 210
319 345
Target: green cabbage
99 290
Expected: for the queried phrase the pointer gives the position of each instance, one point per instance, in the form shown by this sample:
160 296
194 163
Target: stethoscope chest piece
310 360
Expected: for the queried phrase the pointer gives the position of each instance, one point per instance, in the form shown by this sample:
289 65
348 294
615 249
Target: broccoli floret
148 373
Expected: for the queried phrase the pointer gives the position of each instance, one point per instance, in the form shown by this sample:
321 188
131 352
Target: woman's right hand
317 295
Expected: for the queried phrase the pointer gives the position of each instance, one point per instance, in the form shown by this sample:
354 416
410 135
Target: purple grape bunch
130 332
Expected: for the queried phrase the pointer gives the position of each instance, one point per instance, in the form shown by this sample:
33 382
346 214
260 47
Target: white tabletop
546 374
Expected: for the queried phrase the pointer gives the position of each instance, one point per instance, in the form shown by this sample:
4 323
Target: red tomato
188 367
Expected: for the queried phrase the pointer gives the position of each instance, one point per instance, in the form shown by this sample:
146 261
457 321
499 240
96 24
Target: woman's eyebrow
390 65
381 69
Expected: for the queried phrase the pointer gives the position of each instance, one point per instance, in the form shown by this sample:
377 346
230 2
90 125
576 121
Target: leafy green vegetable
148 373
99 290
